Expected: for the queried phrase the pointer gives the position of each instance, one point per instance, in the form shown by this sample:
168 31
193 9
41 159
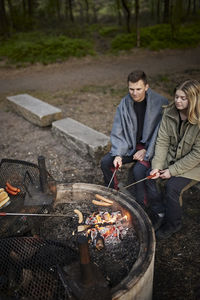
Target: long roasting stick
148 177
32 215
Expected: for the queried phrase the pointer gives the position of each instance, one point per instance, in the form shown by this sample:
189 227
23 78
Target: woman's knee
175 185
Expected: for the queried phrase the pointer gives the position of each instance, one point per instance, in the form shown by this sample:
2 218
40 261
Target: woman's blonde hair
191 88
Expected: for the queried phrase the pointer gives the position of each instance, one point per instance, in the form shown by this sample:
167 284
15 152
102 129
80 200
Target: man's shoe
166 231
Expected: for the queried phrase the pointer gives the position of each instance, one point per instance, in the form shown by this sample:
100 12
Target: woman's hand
139 155
155 171
165 174
117 161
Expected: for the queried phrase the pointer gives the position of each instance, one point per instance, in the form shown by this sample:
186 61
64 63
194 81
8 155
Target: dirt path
76 73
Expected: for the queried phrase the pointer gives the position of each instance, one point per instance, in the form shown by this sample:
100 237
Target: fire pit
128 262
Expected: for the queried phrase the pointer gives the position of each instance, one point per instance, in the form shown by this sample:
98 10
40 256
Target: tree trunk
11 20
58 9
119 17
81 14
137 12
166 11
95 18
176 15
152 8
3 19
30 8
24 7
158 11
189 7
128 15
69 10
194 7
87 11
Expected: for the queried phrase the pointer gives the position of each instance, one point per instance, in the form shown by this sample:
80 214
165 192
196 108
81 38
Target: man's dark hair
136 76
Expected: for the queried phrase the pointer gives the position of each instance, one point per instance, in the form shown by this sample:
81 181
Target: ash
115 260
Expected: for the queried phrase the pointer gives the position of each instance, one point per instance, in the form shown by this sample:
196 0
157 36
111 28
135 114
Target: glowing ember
112 232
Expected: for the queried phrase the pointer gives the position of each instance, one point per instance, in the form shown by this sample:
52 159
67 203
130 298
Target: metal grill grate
29 268
15 172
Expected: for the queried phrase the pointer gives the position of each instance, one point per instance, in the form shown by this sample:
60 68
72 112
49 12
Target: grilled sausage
11 192
12 188
101 203
80 215
99 197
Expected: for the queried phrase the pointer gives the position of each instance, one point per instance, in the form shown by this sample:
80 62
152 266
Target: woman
177 156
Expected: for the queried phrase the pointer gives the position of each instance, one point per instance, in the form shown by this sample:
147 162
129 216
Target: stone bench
34 110
82 139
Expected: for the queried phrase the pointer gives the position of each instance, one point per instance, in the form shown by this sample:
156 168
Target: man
134 132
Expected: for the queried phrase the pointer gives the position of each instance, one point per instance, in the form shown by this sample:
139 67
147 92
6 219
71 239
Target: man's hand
165 174
117 161
139 155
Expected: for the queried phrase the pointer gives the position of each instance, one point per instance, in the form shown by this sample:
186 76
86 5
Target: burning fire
107 228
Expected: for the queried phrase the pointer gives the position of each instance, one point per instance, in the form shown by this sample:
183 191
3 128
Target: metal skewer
116 168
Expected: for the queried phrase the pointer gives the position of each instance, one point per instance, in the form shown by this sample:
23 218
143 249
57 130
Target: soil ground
89 91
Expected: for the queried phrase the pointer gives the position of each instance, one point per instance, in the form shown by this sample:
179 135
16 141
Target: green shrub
159 37
123 42
44 49
109 31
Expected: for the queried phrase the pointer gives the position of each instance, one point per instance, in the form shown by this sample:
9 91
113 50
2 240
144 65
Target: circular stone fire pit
138 283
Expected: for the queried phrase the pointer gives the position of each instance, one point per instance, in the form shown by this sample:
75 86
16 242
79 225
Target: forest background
50 31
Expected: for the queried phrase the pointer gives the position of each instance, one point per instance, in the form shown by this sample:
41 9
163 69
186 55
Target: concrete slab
34 110
86 141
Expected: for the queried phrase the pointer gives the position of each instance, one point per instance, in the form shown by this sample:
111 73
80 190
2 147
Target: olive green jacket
180 153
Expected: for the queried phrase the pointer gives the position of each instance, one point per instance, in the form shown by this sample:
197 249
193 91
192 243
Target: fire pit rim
146 235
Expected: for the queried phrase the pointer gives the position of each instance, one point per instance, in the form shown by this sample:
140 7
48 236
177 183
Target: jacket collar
172 113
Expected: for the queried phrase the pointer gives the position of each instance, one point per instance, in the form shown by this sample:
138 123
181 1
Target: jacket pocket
187 145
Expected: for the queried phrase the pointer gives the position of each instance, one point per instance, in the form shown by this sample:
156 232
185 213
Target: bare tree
166 11
194 7
158 11
87 11
94 9
69 10
175 16
24 7
128 15
3 18
58 9
30 8
137 11
119 17
11 12
189 7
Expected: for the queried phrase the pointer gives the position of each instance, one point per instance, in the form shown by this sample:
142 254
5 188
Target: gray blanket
124 130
